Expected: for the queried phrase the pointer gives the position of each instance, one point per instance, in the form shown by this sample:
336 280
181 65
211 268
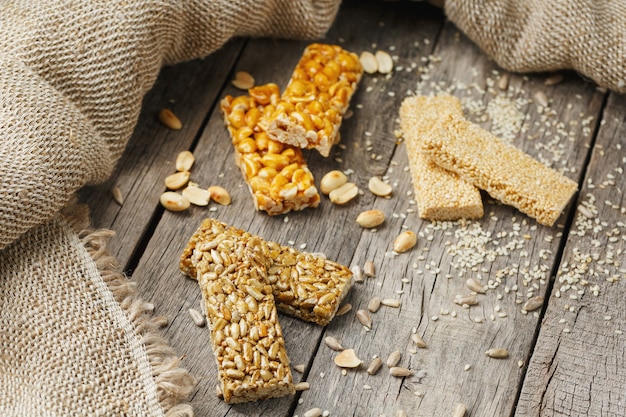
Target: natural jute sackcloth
75 340
74 337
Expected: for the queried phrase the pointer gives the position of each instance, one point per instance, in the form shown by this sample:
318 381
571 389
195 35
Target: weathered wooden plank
428 278
189 90
578 367
329 228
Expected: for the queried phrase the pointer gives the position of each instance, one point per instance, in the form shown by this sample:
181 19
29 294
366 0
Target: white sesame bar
305 286
504 171
439 193
246 337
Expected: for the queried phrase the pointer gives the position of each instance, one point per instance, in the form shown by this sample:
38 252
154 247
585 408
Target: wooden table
566 359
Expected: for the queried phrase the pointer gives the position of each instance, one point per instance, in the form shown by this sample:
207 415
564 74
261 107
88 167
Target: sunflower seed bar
304 285
246 337
276 174
440 194
318 94
504 171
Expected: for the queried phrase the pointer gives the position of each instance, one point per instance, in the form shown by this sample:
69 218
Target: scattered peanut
177 180
405 241
379 188
184 161
197 196
369 62
332 180
219 195
169 120
243 80
385 63
348 359
343 194
174 201
370 218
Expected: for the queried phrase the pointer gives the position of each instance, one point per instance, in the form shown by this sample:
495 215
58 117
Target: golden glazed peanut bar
505 172
246 337
439 193
305 286
318 94
276 174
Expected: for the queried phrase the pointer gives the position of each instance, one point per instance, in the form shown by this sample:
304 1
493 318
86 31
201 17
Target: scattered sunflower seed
374 366
459 410
475 286
302 386
313 412
541 98
503 81
418 341
343 309
197 317
364 318
333 343
533 303
299 368
390 302
497 353
399 371
369 269
553 79
470 300
169 119
394 358
374 304
117 195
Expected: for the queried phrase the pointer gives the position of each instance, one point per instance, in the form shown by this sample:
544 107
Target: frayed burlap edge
174 383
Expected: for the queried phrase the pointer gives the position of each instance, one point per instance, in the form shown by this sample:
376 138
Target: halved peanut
385 63
404 241
379 188
219 195
368 61
243 80
178 180
370 218
197 196
184 161
344 194
169 120
174 201
332 180
348 359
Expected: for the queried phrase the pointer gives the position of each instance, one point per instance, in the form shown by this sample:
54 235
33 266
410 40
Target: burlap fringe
174 384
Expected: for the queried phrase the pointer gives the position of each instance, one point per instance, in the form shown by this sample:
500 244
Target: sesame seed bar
276 174
318 94
304 285
246 337
440 194
504 171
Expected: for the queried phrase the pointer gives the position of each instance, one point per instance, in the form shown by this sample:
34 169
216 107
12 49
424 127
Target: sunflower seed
541 99
333 343
394 358
299 368
553 79
401 413
356 273
374 366
364 318
374 304
197 317
419 342
117 195
469 299
347 359
169 120
459 410
302 386
369 269
497 353
390 302
313 412
400 371
503 81
533 303
343 309
475 286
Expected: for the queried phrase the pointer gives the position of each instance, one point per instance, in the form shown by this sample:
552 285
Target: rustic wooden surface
566 359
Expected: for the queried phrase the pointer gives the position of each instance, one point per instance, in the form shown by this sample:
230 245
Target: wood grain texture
507 250
578 366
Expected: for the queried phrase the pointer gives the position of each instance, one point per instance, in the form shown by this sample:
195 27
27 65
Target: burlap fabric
588 36
74 338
